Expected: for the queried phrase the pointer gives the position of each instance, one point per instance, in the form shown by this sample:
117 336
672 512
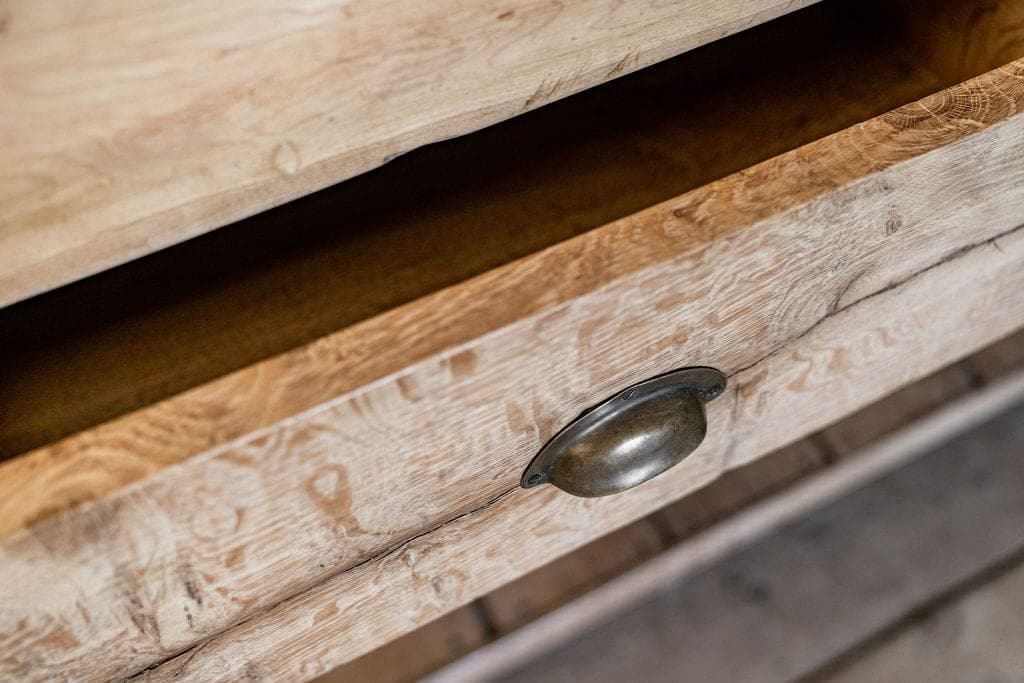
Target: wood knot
286 158
893 224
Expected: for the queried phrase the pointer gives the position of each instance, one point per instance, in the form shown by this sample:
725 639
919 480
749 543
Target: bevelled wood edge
226 112
789 276
521 606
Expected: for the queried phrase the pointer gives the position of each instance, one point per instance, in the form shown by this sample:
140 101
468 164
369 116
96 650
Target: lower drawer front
882 319
294 514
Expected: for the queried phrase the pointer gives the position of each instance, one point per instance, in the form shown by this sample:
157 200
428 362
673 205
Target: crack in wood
948 258
390 550
194 650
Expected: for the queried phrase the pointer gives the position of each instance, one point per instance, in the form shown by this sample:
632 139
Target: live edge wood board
128 127
297 513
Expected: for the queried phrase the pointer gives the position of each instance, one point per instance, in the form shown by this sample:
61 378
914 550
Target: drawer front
355 494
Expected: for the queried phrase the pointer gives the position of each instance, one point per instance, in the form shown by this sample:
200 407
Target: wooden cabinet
265 451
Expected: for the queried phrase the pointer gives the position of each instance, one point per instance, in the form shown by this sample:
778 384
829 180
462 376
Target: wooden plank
422 651
756 522
525 599
976 637
516 605
246 409
200 114
818 586
521 530
812 296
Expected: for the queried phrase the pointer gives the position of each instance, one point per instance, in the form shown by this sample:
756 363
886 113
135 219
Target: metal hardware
629 438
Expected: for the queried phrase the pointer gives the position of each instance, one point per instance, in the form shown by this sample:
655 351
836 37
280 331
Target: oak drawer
265 451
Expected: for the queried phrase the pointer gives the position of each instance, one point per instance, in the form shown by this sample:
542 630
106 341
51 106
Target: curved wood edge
199 115
736 274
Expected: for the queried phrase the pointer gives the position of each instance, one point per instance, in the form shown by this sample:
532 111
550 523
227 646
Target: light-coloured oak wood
471 554
104 365
806 576
128 128
818 273
566 584
131 337
527 598
409 659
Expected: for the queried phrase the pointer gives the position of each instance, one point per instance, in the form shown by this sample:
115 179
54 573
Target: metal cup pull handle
629 438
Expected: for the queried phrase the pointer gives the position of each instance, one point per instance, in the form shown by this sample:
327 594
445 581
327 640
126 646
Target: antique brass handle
629 438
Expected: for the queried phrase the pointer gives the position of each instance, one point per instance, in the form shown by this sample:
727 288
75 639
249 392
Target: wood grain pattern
257 398
128 338
733 534
177 118
815 273
524 602
309 633
409 659
806 591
